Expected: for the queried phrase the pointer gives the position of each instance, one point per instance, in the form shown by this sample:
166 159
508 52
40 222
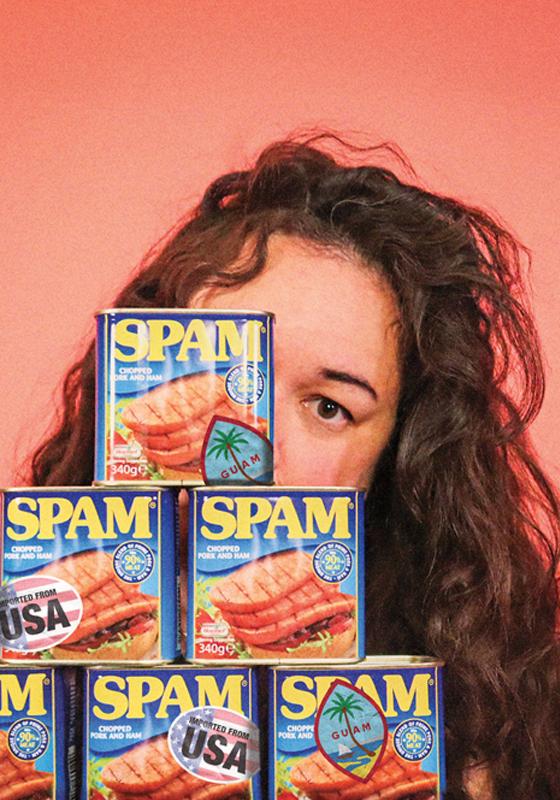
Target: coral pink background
116 114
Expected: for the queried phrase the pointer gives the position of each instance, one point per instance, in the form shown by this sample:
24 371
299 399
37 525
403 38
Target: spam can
369 730
38 745
184 397
89 575
175 733
275 575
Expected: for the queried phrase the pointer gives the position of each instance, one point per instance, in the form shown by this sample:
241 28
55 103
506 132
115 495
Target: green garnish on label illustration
324 638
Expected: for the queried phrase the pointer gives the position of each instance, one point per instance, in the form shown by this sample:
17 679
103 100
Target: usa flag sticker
215 744
38 612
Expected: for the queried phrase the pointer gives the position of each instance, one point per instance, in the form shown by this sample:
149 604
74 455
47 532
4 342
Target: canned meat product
175 733
370 730
275 575
38 746
89 575
184 397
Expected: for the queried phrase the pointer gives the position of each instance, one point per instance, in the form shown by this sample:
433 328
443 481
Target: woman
400 327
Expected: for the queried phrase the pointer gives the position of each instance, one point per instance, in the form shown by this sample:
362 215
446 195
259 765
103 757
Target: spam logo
22 693
37 517
394 693
138 339
138 696
235 515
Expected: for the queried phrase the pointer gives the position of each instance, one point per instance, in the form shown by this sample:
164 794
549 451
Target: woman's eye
329 411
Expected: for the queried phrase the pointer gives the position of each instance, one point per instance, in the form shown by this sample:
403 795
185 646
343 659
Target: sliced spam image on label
184 397
370 730
175 733
89 575
38 750
275 575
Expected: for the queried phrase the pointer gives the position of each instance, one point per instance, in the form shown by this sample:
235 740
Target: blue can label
275 575
37 752
198 726
184 397
370 729
89 575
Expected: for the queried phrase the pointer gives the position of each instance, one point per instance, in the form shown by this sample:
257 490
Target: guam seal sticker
236 454
215 744
351 730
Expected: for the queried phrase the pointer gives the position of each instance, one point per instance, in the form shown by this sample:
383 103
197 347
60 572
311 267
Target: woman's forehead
331 310
302 277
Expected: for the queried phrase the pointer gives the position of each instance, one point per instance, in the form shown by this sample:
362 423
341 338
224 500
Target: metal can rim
193 311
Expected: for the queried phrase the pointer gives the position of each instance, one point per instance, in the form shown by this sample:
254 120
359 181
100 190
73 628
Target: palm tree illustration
343 707
226 444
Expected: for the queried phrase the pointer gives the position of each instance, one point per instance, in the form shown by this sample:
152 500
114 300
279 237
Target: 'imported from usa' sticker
215 744
38 612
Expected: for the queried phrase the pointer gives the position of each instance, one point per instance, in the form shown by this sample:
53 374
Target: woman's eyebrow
346 377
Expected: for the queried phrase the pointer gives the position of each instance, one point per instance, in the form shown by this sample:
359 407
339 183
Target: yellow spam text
30 517
22 695
134 697
302 694
235 516
137 339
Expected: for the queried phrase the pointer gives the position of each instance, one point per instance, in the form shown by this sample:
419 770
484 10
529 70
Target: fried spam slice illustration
111 609
20 779
187 787
393 779
144 768
298 620
149 772
189 436
277 606
111 603
170 422
306 595
260 583
175 404
91 568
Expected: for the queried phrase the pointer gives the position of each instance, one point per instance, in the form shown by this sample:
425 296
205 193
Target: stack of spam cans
96 702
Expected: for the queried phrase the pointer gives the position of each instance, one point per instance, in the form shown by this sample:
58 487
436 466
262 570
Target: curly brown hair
462 524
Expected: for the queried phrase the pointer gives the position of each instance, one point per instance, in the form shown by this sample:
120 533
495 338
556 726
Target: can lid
378 662
406 661
148 667
273 488
144 488
194 312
